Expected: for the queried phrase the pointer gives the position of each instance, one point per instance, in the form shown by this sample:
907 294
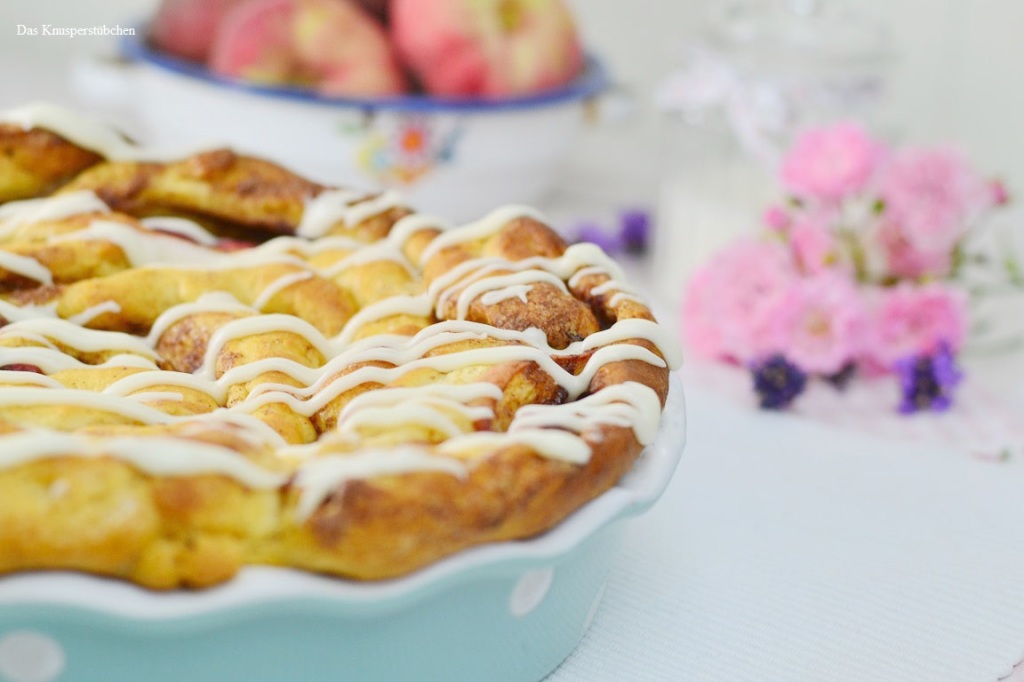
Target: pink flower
820 323
729 304
932 195
831 163
700 325
1000 195
903 259
776 218
915 320
815 246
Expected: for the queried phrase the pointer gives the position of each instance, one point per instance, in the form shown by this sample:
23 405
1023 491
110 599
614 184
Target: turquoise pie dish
507 612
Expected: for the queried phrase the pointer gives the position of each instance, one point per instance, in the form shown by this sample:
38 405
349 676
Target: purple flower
777 382
634 229
927 381
592 232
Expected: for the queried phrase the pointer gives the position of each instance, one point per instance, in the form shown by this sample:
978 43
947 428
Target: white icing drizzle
363 210
181 226
97 401
453 395
629 404
254 431
533 428
140 381
413 223
428 413
85 132
283 245
324 211
470 293
601 289
27 378
89 314
622 292
26 267
623 296
145 248
29 211
308 401
380 251
217 301
51 360
279 285
335 206
161 456
481 229
13 313
156 396
407 354
572 264
512 291
261 324
550 443
318 478
74 336
588 271
430 406
555 431
420 306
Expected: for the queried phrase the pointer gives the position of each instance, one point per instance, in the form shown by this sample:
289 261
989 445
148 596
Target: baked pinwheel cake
208 362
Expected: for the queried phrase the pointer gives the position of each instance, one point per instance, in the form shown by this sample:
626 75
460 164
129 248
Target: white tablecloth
789 550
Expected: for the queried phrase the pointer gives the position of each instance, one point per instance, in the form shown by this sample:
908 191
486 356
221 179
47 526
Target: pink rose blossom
700 324
829 164
932 195
913 320
729 303
819 324
776 218
905 260
1000 195
815 245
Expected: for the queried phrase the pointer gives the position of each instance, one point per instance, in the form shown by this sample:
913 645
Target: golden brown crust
35 162
218 184
105 516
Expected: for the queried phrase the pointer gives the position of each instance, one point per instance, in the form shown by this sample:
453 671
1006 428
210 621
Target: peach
185 28
330 45
487 47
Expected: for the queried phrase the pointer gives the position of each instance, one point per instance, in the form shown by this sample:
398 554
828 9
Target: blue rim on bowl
591 81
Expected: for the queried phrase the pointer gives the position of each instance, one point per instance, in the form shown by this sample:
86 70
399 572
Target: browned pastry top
296 375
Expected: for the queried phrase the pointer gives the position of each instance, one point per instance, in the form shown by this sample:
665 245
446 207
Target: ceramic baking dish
504 612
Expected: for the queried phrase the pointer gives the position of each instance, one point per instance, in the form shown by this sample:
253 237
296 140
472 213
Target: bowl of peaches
460 105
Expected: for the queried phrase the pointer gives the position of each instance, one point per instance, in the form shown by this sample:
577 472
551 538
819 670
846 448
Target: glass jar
762 70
